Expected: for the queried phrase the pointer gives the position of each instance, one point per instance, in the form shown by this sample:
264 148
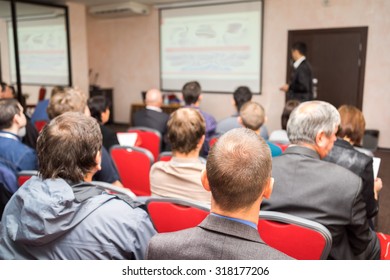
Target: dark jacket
344 154
331 195
301 83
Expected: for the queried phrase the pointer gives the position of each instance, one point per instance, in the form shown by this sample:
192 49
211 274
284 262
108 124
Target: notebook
127 138
375 164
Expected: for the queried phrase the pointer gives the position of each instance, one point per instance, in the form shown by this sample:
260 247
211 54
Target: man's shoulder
227 124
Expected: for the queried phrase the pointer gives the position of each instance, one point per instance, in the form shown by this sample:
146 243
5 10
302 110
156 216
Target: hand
377 187
284 88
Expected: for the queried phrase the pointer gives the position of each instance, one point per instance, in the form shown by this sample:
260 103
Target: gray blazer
331 195
215 238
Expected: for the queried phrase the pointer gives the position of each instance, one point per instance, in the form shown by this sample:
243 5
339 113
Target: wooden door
337 57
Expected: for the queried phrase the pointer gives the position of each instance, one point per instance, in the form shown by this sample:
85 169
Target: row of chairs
299 238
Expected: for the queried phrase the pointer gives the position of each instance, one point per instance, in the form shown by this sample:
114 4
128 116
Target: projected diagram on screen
215 47
42 52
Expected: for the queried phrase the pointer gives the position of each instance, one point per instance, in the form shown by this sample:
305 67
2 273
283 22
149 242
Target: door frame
363 31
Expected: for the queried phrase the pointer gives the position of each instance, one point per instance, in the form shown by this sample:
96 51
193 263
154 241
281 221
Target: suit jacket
301 84
215 238
329 194
151 119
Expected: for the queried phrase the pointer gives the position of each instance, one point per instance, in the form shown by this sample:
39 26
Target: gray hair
309 118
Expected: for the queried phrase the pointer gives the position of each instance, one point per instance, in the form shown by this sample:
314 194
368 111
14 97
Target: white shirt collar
299 61
154 108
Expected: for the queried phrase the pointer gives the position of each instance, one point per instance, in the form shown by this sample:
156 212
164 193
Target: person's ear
200 97
239 119
268 188
321 139
201 141
205 180
98 160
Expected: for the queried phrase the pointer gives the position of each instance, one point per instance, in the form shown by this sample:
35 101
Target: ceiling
98 2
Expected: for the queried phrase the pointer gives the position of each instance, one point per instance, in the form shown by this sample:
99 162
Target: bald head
153 98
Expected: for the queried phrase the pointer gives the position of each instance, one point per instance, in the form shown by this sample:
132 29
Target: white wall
125 52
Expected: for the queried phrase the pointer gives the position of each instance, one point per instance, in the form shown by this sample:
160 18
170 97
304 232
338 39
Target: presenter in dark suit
238 174
152 116
301 84
311 188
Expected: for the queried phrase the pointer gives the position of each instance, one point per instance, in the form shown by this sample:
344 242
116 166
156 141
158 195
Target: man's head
69 147
69 100
241 95
11 115
352 124
238 170
5 91
153 97
99 106
186 130
314 124
191 92
252 115
298 50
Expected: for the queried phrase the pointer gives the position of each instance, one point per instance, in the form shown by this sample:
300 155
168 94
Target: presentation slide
43 52
217 45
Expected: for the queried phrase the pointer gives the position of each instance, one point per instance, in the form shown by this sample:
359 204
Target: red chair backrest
170 215
384 240
281 146
297 237
165 156
40 124
25 175
133 165
212 141
150 140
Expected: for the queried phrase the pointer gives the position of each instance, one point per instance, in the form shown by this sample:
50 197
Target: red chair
297 237
40 124
169 214
164 156
212 141
150 139
133 165
384 240
281 146
25 175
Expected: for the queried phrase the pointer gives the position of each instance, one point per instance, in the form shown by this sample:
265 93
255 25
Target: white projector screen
43 52
217 45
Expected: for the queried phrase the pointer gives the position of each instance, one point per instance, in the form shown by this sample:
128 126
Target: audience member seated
192 95
280 136
252 116
238 174
240 96
152 116
309 187
60 214
72 100
100 110
31 135
12 129
180 177
351 131
40 113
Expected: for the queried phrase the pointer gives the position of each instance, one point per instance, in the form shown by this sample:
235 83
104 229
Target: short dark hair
9 107
67 147
242 95
288 108
186 127
98 105
300 47
191 92
3 86
238 168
